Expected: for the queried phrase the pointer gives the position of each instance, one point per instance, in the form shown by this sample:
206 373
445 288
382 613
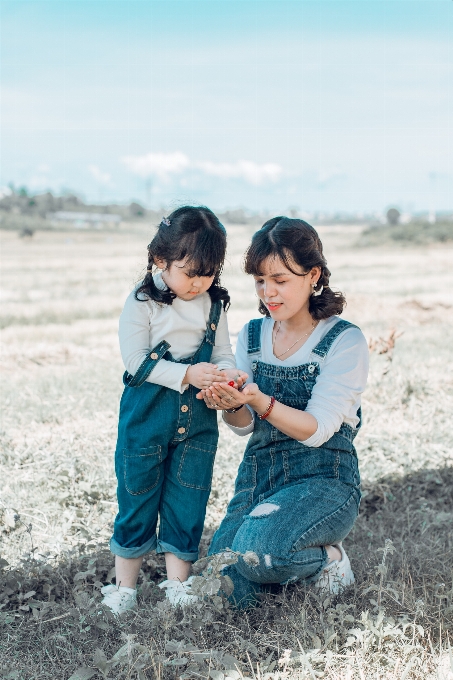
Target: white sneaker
119 599
179 593
337 575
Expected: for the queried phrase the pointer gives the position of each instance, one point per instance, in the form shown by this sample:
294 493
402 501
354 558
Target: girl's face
284 293
177 278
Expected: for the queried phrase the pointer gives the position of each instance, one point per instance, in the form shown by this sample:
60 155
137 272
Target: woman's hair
294 242
193 233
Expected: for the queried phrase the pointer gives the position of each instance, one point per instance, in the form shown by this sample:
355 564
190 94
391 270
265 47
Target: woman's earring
317 292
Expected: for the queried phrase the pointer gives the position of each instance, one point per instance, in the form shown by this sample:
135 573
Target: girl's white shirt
343 374
144 324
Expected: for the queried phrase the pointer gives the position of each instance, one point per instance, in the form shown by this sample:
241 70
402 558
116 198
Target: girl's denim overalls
290 500
164 459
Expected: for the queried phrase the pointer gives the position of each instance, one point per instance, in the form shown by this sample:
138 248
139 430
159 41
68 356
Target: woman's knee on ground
268 554
268 567
251 541
262 548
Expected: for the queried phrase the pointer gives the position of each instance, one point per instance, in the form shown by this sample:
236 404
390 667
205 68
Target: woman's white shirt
343 374
144 324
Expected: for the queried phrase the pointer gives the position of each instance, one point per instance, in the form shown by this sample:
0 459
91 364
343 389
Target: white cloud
99 176
250 172
160 164
163 165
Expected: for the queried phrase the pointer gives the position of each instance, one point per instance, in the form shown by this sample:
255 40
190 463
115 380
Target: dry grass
61 381
417 232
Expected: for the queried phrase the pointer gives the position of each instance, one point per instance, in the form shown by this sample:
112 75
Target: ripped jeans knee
264 509
266 567
282 538
268 555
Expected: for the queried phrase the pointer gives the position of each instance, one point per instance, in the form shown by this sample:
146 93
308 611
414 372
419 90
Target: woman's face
284 293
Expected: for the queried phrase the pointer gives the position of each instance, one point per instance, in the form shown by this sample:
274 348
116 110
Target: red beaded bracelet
267 412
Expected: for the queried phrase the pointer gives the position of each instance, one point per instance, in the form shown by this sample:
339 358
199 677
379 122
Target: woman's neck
300 321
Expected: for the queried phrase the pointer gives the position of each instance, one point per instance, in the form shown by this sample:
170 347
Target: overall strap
146 366
254 336
213 321
324 345
158 352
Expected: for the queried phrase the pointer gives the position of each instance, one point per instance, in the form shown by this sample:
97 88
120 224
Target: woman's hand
292 422
202 375
233 378
222 396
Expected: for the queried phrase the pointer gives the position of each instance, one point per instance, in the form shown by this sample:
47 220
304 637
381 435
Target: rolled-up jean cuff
131 553
163 547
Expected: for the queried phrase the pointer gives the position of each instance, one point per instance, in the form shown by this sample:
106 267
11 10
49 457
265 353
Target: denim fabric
290 500
164 460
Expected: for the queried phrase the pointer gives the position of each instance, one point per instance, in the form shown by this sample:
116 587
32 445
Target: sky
321 105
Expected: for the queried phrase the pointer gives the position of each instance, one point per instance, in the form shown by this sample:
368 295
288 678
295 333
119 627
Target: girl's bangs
204 255
201 268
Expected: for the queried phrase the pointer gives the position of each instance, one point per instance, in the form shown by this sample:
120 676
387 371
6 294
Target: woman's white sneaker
179 593
119 599
337 575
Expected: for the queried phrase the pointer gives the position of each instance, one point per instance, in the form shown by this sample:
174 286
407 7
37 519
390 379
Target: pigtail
218 292
328 302
148 289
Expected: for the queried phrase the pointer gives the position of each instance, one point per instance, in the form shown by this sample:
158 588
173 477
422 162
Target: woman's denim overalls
164 459
290 500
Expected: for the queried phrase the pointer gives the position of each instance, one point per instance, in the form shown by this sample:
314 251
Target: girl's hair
294 242
191 232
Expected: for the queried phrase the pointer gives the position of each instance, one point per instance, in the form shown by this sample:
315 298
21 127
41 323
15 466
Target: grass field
61 382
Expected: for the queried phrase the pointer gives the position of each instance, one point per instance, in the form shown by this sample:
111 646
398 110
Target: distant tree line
20 202
21 210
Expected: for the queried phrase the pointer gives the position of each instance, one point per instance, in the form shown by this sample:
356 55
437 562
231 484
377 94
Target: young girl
297 491
174 341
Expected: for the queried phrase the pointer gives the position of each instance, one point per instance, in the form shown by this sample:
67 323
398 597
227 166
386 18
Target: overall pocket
303 462
197 464
141 469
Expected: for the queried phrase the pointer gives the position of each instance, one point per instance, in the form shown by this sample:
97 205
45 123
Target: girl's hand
222 396
202 375
235 376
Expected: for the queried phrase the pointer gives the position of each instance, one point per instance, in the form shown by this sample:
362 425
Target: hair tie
165 221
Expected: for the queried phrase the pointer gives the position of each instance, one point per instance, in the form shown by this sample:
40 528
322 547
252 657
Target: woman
297 490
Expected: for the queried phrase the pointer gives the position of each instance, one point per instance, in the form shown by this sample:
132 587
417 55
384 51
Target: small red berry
231 383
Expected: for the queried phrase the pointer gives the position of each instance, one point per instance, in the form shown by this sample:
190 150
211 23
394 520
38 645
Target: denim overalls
290 500
164 459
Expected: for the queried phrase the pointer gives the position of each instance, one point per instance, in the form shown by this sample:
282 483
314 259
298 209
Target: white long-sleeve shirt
343 374
145 323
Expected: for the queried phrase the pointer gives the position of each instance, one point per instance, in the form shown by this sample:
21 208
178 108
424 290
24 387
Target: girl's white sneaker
337 575
179 593
119 599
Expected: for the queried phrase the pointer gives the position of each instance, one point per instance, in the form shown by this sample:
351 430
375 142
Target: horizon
248 214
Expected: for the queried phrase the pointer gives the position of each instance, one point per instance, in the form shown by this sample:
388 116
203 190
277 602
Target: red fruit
231 383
